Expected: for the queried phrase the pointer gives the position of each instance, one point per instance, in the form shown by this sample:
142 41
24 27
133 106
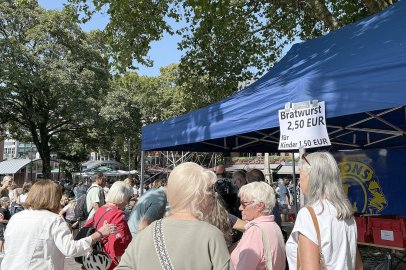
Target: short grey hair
119 192
325 183
259 192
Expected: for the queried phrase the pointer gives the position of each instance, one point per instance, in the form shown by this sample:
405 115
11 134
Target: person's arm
287 198
2 220
105 230
95 194
64 241
239 225
358 261
62 212
308 253
64 209
17 200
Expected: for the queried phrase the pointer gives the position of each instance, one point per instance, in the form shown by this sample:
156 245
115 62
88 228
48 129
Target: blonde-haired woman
321 184
22 197
262 242
182 238
220 218
38 238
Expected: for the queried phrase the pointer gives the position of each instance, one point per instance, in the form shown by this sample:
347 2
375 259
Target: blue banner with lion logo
375 180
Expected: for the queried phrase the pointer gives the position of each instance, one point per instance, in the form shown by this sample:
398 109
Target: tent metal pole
294 183
142 174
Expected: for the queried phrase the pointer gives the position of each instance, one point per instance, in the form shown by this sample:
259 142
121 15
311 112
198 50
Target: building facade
12 149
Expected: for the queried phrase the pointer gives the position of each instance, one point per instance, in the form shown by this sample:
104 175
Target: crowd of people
197 219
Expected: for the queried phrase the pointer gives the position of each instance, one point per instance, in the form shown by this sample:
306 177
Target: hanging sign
303 128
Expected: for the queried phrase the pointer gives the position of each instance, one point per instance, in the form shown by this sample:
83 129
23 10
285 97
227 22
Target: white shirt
95 194
22 198
40 240
338 237
11 194
69 211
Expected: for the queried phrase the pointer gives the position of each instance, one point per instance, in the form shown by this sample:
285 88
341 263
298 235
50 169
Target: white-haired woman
182 240
321 184
112 213
262 240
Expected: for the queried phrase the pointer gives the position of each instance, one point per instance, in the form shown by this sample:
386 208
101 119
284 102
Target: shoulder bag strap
267 249
160 246
316 226
107 210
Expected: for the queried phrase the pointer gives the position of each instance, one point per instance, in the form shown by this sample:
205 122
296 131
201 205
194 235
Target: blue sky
163 52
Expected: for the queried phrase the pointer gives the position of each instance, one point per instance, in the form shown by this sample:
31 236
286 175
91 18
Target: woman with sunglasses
262 241
321 184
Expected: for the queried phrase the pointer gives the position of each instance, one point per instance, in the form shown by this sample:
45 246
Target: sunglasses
305 159
245 204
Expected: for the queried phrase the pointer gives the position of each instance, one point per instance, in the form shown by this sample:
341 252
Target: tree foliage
135 101
224 42
132 27
228 42
52 75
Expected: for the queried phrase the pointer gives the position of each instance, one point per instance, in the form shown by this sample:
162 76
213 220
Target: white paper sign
387 235
303 128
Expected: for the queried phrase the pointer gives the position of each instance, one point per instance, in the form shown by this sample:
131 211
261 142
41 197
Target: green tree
52 76
228 42
135 101
132 27
225 42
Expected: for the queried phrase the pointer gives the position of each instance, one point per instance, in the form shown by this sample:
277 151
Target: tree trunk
41 141
45 154
375 6
46 162
322 13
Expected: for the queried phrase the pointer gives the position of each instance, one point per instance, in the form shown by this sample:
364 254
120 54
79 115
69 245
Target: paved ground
371 256
70 264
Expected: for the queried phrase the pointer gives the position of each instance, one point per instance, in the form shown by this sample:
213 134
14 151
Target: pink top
249 253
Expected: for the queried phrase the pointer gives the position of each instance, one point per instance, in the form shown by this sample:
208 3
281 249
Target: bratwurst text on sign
303 128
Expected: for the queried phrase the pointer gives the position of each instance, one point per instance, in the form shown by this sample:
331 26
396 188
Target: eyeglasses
245 204
305 159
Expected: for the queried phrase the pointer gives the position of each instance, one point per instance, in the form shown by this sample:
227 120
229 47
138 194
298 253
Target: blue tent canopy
359 71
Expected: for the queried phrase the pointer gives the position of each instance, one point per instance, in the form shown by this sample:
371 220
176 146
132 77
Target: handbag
160 247
316 226
98 259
